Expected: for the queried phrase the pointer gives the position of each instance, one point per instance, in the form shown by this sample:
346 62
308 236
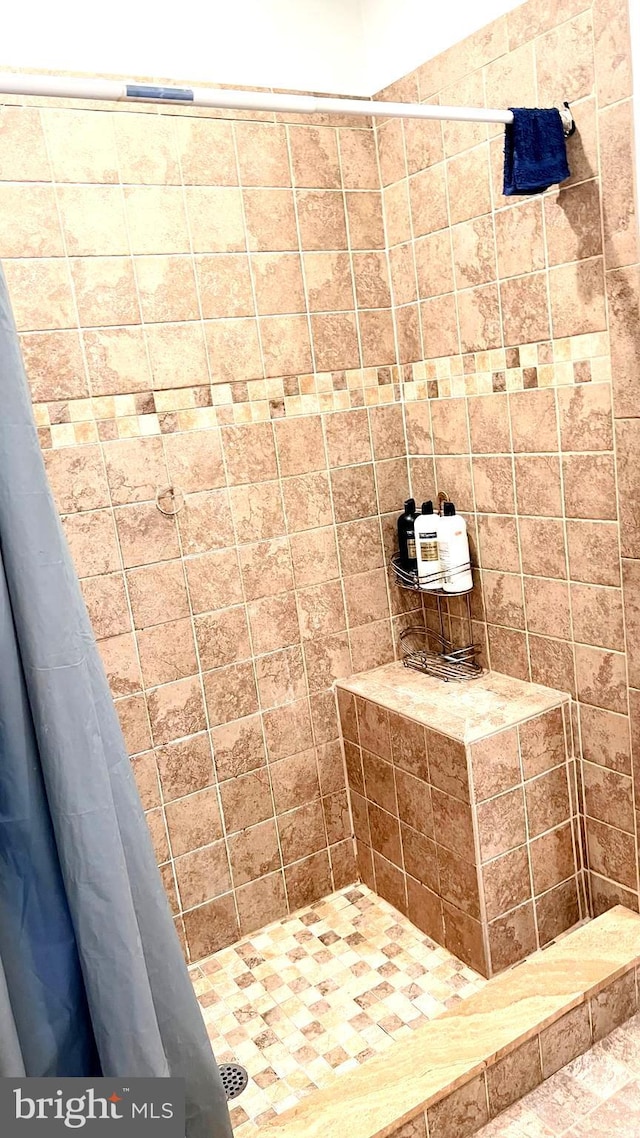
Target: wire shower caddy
428 650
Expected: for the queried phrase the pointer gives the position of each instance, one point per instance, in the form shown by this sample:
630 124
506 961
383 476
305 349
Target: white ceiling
339 46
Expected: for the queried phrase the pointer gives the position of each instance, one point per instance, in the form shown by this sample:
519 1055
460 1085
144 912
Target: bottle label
429 547
411 548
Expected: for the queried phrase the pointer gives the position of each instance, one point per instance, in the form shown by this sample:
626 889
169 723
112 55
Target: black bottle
406 536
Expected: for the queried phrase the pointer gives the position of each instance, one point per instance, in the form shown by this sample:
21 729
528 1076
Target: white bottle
453 546
426 531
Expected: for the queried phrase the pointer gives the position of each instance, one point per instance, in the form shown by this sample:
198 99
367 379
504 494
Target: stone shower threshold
467 1066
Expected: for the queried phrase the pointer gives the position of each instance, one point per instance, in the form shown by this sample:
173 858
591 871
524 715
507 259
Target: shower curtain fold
92 979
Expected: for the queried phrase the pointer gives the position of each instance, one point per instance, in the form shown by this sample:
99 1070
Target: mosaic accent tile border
319 993
89 420
551 363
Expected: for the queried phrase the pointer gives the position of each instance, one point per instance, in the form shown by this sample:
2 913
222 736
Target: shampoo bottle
453 546
406 536
426 531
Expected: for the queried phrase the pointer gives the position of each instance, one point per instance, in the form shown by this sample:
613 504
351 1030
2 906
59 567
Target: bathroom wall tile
176 710
617 1003
567 48
501 824
513 1077
41 295
353 490
206 151
489 424
246 800
538 486
503 602
605 738
439 326
611 852
512 937
508 652
377 337
391 884
301 832
185 767
520 239
329 281
463 937
572 223
533 421
366 226
623 298
507 882
585 418
358 159
458 882
608 796
586 280
428 198
254 853
542 547
238 747
479 318
260 902
211 926
619 211
281 677
262 154
495 764
314 556
600 677
230 693
493 485
498 543
390 143
597 472
547 604
447 765
627 431
547 801
552 858
273 622
167 652
307 498
468 182
270 220
213 580
597 616
321 219
593 549
542 743
453 825
203 874
552 663
285 345
434 263
395 200
460 1114
308 881
288 730
525 309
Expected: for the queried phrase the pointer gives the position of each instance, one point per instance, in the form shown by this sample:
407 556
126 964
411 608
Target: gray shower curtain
92 979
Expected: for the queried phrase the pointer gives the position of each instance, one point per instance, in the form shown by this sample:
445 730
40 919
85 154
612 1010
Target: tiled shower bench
465 808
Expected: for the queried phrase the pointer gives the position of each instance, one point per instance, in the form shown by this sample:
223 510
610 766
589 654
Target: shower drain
234 1079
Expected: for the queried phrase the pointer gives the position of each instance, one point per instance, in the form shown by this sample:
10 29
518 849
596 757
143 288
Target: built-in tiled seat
464 808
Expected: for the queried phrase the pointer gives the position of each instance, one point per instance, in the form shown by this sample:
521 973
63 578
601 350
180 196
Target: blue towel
535 151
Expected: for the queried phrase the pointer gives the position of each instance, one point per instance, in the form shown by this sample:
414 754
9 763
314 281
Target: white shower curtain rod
60 87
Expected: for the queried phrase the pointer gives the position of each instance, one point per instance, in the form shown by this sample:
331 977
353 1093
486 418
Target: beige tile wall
276 318
203 304
509 407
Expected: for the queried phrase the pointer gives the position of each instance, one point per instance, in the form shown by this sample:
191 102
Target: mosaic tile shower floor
595 1096
316 994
